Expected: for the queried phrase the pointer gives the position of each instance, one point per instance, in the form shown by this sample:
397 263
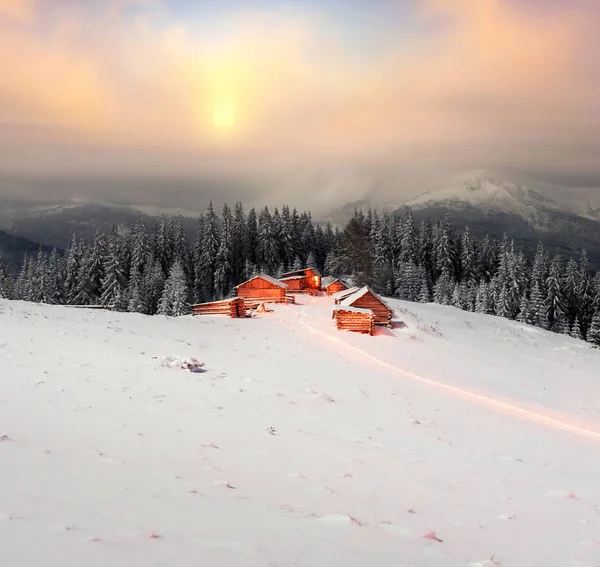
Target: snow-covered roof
328 283
344 293
353 309
292 278
296 272
360 293
266 278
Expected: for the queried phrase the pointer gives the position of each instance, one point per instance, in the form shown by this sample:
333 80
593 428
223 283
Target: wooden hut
263 288
354 319
296 284
233 307
335 286
312 278
339 296
366 299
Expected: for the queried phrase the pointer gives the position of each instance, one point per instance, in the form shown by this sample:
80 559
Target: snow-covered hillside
456 439
492 192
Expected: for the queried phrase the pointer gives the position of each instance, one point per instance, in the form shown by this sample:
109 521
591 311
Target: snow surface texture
456 439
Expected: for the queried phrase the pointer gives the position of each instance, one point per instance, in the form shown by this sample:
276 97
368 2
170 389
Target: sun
223 115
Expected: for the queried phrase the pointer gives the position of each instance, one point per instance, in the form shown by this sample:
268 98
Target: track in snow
474 397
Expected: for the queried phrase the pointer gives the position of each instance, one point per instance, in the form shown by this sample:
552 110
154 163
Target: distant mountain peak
485 190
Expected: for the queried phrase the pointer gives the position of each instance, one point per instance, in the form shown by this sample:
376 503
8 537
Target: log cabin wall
383 314
313 279
334 287
354 321
258 287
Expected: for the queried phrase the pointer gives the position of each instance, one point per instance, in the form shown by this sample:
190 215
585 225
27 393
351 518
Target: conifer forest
160 269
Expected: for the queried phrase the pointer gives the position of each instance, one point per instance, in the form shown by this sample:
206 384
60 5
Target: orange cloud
17 9
275 91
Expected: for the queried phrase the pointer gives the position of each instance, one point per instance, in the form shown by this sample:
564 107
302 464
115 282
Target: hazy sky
168 101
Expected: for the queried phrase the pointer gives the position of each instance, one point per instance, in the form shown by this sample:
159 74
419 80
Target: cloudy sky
315 101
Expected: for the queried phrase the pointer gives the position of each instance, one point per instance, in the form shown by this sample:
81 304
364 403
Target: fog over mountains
567 219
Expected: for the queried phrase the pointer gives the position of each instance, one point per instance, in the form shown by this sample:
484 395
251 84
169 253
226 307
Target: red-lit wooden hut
366 299
312 277
262 287
335 286
295 283
354 319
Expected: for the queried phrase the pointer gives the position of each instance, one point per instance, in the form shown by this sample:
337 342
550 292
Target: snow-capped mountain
565 219
492 193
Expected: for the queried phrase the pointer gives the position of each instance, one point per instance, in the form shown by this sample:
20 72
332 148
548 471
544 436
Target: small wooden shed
335 286
339 296
367 299
295 283
354 319
233 307
262 287
312 277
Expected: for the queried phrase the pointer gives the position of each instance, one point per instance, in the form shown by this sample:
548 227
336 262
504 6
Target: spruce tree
174 299
576 329
593 335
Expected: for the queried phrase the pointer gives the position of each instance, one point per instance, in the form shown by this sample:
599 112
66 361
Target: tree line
160 269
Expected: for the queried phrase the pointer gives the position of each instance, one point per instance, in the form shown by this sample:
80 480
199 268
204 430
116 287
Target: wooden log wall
383 314
234 307
354 321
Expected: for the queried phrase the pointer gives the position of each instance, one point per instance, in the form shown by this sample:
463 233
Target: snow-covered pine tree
425 292
112 283
593 335
251 236
208 256
6 288
224 258
297 265
55 279
266 247
443 289
555 302
153 282
286 243
174 299
408 238
457 300
481 300
524 315
576 329
467 257
307 237
238 238
538 309
196 256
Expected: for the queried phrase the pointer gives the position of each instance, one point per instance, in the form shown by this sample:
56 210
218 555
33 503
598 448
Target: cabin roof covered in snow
266 278
328 283
296 272
344 293
292 278
360 293
352 309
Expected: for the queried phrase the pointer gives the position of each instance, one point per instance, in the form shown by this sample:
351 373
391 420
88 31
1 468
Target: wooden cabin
233 307
335 286
339 296
264 288
364 298
296 284
312 278
355 319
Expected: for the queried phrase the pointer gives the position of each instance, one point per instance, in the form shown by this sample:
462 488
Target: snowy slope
487 191
476 431
493 192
